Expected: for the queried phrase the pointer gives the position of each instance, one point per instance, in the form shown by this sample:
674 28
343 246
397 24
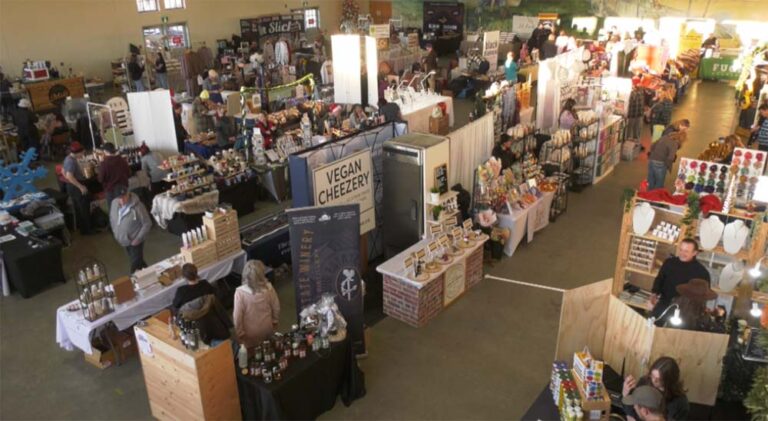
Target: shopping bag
658 129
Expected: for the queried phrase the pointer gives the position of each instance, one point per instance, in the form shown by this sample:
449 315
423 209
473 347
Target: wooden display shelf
443 217
444 198
184 384
656 239
644 306
641 272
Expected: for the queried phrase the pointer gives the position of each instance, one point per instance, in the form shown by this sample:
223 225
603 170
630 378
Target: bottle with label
242 357
306 131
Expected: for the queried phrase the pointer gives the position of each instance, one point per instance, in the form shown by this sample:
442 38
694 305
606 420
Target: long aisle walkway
489 355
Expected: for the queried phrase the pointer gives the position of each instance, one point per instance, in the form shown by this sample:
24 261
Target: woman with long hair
257 308
664 375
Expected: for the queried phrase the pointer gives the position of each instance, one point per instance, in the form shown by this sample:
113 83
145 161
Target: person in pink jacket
257 308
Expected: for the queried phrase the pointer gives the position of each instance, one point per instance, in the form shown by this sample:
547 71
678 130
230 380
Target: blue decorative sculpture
18 179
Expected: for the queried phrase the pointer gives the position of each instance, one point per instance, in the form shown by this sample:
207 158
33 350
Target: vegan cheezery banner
325 254
347 181
443 17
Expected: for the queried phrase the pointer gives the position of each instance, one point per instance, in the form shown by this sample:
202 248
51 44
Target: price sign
435 229
457 233
421 254
444 241
433 246
408 263
467 224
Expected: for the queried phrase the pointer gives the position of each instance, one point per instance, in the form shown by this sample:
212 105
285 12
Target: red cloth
707 203
266 129
114 171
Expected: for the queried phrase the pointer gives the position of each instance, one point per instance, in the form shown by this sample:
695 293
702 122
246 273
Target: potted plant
436 212
499 237
434 195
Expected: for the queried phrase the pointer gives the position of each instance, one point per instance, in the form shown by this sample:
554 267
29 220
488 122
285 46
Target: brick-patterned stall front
416 303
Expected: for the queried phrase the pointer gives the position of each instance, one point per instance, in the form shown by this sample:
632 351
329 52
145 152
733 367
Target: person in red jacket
113 172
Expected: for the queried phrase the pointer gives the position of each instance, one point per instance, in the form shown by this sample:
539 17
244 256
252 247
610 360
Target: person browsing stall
662 157
676 271
150 163
114 172
24 120
195 287
136 72
502 151
664 376
677 126
692 300
568 115
257 308
81 200
647 404
510 68
181 132
760 130
390 111
161 71
131 224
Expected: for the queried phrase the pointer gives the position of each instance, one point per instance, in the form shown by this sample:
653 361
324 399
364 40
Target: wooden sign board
450 222
441 178
467 224
421 254
408 263
444 241
50 94
435 229
433 246
457 233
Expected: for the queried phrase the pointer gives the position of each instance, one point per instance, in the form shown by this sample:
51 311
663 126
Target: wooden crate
201 255
438 125
228 245
182 384
222 224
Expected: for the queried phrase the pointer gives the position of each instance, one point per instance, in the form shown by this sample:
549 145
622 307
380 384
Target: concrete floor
485 357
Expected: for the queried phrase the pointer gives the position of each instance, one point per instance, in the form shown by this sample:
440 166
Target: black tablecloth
30 270
446 45
241 196
183 222
309 387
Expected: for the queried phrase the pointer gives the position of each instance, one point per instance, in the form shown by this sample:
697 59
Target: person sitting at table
130 224
113 172
647 404
664 376
358 120
195 287
693 307
75 188
502 151
676 271
257 308
150 163
568 115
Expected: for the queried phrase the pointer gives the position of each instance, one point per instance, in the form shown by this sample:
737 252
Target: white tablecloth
417 113
164 206
72 330
529 220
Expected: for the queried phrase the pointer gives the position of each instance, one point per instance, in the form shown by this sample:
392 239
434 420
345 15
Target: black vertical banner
325 254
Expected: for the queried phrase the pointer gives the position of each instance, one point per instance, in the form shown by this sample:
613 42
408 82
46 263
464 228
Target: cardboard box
123 289
101 358
170 275
104 357
596 409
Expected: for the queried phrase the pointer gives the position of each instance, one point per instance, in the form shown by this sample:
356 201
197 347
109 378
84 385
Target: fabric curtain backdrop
471 145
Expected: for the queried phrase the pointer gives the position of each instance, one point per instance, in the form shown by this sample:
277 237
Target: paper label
143 342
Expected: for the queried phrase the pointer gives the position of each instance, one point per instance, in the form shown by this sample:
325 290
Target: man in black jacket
676 271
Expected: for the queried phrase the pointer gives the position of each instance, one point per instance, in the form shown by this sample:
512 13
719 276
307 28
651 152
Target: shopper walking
635 114
760 130
150 164
677 126
161 71
510 68
676 271
114 172
130 223
78 193
661 158
257 308
136 72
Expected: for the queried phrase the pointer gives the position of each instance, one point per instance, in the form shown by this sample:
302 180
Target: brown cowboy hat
696 289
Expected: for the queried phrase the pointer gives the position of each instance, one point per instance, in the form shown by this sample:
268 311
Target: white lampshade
675 319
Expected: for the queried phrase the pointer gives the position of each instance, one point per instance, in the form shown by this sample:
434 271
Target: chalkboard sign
441 178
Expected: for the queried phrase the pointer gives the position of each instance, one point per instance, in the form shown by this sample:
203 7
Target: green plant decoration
626 198
692 213
436 212
756 401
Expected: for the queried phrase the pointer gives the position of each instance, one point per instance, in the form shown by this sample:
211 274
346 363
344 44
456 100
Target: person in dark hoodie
130 223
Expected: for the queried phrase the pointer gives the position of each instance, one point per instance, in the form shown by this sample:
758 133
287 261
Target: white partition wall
152 117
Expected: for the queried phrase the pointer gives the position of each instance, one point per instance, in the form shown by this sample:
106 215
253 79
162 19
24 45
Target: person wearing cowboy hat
25 120
693 307
75 187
